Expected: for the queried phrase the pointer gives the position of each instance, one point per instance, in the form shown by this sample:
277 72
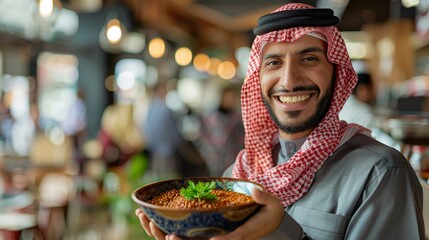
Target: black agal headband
306 17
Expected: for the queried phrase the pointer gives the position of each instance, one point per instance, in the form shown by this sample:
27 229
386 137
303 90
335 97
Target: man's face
297 84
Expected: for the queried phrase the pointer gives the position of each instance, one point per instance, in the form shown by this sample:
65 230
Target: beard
312 121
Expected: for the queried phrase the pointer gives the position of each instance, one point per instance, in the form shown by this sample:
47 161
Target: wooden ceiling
215 22
201 23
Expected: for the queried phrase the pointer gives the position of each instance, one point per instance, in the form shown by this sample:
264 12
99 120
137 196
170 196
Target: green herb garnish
199 190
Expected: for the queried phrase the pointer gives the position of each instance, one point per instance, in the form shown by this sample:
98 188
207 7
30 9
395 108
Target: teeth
294 99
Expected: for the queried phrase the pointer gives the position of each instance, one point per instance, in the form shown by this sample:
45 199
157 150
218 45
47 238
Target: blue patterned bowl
196 223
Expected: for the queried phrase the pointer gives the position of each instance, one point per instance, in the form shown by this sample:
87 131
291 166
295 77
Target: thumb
261 196
265 198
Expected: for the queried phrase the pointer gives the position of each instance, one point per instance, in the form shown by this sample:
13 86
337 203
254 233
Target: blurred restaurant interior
77 78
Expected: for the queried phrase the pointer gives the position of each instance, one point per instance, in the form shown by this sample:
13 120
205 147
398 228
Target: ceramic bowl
196 223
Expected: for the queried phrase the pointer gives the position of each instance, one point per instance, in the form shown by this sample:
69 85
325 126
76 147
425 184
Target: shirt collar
288 148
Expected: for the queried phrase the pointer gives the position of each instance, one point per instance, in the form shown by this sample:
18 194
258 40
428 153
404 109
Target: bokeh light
157 48
183 56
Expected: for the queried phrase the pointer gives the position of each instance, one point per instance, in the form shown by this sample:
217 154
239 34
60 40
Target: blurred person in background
359 108
119 135
74 125
222 133
324 178
160 130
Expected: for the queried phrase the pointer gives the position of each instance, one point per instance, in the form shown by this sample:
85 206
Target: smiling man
324 178
297 84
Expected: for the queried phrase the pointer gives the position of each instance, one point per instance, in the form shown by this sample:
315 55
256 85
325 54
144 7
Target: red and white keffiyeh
290 181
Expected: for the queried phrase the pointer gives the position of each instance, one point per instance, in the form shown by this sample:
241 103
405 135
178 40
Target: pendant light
45 14
112 33
48 10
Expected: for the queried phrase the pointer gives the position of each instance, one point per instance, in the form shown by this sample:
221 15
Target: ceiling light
183 56
200 62
226 70
111 35
45 14
157 48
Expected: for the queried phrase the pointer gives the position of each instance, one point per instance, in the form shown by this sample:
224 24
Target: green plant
199 190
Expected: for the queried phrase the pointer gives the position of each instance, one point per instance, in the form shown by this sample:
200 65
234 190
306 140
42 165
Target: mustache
295 89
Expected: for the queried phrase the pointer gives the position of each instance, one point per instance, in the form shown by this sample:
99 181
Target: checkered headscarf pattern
291 180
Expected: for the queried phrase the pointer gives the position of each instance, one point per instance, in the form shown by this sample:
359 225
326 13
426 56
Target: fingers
156 232
262 223
265 198
144 221
172 237
151 229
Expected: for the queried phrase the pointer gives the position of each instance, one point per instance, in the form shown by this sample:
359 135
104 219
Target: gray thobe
365 190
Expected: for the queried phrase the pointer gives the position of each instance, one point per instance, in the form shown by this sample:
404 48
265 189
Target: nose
290 75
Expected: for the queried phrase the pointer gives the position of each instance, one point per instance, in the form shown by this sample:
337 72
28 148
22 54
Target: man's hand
151 229
262 223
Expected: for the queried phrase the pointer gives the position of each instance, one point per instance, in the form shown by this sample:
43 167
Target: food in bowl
200 195
200 217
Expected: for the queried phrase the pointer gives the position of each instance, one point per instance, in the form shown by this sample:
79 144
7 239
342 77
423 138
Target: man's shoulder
368 150
363 159
372 144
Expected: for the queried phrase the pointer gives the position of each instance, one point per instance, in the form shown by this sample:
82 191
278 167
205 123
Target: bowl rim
163 208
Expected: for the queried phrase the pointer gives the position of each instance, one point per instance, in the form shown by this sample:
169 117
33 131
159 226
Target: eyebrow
311 49
270 55
303 51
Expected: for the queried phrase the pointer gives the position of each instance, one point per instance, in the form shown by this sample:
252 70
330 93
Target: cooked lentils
173 199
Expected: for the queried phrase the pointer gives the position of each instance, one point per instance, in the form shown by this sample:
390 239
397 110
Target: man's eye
274 62
310 59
